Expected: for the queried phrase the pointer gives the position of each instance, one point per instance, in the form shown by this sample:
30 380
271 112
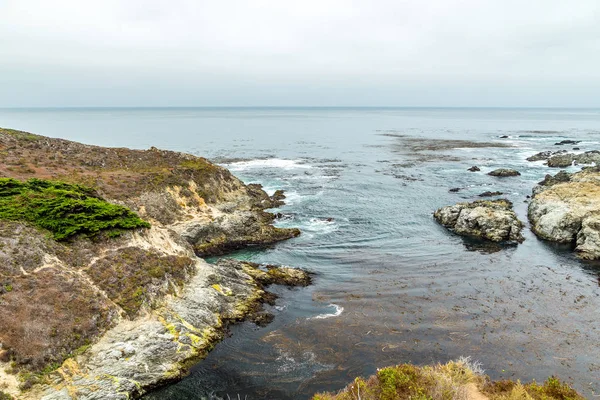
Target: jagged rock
544 155
474 168
566 208
490 194
504 172
566 160
486 219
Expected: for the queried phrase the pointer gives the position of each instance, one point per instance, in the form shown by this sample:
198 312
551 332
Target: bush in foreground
456 380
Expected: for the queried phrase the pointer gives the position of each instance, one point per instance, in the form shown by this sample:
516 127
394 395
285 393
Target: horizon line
296 107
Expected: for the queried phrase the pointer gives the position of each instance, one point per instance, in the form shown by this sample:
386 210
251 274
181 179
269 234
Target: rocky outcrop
544 155
504 172
109 317
486 219
161 346
566 209
568 159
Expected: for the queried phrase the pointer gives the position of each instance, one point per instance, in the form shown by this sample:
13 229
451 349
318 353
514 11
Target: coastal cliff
102 289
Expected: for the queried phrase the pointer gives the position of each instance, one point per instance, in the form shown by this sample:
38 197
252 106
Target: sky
457 53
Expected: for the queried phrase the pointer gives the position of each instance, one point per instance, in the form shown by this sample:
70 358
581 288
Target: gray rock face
566 209
504 172
492 220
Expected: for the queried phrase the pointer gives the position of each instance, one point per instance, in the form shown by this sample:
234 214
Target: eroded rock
566 209
486 219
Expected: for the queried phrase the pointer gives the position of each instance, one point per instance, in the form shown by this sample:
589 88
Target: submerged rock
490 194
474 168
566 209
454 190
563 142
503 172
486 219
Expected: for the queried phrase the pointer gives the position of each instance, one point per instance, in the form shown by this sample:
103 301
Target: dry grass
456 380
117 173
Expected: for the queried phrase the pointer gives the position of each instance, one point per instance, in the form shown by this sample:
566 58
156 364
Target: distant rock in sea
504 172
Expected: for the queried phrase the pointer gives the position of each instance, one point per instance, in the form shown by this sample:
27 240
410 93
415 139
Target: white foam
266 163
338 312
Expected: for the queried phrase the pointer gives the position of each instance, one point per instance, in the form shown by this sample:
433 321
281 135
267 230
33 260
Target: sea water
390 285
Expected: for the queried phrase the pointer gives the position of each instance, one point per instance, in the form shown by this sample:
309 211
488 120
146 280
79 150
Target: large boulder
503 172
566 209
486 219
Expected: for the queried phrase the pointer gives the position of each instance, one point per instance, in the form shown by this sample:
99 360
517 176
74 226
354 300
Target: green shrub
64 209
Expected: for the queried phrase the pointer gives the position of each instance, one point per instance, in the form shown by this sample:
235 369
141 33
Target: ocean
390 285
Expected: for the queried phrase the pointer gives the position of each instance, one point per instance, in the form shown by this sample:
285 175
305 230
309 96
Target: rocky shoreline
113 313
563 208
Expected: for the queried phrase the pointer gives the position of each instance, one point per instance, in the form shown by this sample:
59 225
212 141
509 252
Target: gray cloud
326 52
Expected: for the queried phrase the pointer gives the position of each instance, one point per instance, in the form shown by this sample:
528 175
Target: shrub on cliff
64 209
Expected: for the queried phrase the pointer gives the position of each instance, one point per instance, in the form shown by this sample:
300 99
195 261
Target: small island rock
486 219
503 172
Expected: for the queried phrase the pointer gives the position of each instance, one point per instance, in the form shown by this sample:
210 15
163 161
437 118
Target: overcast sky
308 52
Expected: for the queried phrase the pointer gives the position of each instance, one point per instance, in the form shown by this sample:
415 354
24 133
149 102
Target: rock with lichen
566 209
485 219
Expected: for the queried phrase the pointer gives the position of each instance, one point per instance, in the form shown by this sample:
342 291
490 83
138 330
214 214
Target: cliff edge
102 291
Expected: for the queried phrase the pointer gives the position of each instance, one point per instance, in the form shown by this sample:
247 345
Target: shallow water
391 285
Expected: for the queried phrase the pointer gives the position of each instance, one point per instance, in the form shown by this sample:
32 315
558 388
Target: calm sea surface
391 285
